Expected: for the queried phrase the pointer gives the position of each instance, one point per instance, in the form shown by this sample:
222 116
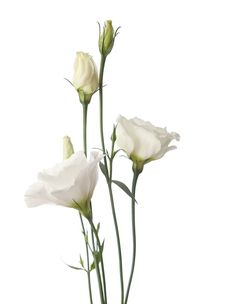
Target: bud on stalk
85 79
106 38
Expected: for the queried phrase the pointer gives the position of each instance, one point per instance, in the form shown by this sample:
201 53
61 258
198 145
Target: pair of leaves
78 268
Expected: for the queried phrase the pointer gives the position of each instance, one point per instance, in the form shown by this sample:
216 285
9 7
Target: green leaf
124 188
98 227
103 245
76 268
81 261
115 152
92 267
97 256
103 169
86 238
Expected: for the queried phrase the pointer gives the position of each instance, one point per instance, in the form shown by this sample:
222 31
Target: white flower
85 78
70 183
142 141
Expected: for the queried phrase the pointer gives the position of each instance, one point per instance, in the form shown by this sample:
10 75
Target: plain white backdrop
174 64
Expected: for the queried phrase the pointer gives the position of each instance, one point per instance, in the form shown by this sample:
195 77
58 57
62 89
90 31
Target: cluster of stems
97 248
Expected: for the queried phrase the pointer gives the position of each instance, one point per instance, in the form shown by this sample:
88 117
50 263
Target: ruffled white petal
95 158
39 194
63 174
124 140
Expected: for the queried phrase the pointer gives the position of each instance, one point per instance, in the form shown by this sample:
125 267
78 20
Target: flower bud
68 149
106 38
113 135
85 79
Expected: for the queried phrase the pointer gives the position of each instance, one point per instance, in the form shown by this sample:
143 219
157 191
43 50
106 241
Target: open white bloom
142 141
70 183
85 78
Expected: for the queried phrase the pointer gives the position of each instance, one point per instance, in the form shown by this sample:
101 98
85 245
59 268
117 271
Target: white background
173 64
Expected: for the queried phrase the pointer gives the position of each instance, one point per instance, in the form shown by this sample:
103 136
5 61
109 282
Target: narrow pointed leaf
103 245
98 227
81 261
103 169
92 267
74 267
115 152
124 188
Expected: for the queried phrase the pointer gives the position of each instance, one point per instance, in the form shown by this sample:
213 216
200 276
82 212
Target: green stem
101 72
88 264
134 183
109 180
100 286
85 112
97 269
102 263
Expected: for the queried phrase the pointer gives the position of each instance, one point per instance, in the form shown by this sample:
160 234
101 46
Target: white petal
95 158
78 191
146 144
38 194
85 73
164 151
124 141
82 187
63 174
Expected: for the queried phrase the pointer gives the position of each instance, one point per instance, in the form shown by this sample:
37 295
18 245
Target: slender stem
135 178
97 270
100 286
101 72
85 111
111 159
88 265
109 179
102 263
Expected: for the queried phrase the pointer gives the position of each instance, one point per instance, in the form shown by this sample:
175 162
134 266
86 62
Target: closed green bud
113 135
68 149
106 38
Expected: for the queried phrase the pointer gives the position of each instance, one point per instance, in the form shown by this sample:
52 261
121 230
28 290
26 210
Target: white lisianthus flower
70 183
85 79
142 141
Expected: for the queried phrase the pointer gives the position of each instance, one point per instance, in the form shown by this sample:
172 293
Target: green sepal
83 97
